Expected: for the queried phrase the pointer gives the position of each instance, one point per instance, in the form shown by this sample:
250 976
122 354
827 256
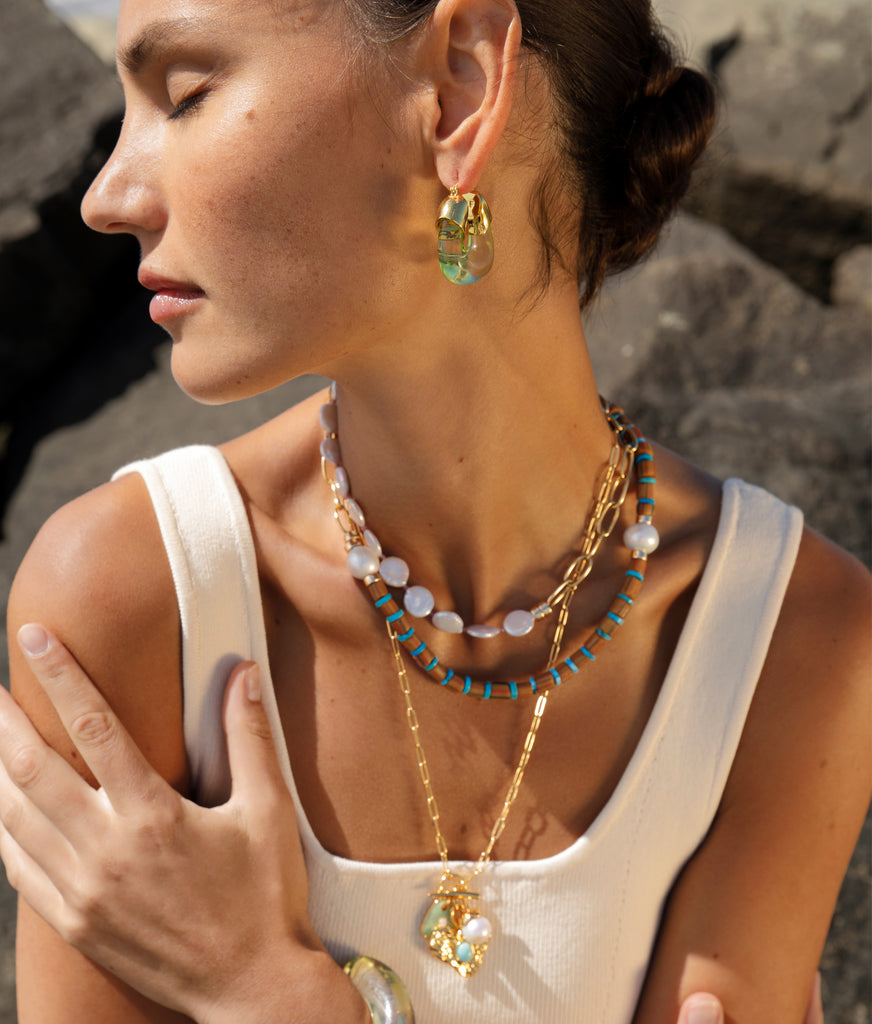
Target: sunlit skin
283 193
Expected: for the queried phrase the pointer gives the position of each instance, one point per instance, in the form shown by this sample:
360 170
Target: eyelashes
187 106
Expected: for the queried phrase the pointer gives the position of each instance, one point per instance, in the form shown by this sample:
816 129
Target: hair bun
665 132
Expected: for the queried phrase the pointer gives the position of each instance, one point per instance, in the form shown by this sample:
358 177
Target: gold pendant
454 930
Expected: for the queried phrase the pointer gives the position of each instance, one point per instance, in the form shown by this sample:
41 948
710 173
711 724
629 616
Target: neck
475 456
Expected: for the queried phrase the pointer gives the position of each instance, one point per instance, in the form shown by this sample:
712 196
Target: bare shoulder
97 576
828 607
815 692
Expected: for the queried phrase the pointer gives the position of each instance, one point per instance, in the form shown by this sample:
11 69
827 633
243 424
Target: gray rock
59 112
852 278
707 26
723 358
790 174
98 32
56 94
796 100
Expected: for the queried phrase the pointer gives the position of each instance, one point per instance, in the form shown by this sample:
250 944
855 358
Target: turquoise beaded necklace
364 561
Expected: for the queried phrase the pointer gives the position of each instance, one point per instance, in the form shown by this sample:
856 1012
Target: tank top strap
208 541
720 655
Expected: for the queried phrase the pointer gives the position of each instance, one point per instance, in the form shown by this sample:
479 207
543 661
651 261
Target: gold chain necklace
454 929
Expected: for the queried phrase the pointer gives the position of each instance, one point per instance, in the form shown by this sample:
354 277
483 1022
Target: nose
125 197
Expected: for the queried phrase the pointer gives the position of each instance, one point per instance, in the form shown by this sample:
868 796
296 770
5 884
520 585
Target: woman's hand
701 1008
201 910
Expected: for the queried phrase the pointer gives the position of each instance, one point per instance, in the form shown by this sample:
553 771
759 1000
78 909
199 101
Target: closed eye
187 105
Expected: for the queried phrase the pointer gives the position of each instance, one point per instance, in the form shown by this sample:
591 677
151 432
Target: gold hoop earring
464 237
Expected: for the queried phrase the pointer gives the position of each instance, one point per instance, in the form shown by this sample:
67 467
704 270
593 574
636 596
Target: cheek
277 200
296 222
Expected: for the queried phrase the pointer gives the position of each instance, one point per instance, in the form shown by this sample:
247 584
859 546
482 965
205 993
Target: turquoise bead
463 952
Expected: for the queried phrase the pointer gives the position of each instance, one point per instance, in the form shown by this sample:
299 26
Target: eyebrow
156 36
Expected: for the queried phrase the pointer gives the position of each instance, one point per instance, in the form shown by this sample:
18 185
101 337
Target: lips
173 298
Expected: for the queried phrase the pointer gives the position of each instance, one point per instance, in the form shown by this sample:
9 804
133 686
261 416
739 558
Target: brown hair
632 119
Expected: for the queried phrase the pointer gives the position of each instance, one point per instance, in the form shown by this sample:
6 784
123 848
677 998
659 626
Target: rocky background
745 342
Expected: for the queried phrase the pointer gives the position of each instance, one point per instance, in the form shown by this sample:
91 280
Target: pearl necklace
364 562
367 557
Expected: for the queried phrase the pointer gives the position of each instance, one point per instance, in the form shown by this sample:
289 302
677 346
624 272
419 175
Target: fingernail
252 684
33 640
705 1011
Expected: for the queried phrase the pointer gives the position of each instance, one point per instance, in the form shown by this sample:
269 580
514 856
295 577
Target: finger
701 1008
39 837
31 883
254 764
105 745
815 1012
38 789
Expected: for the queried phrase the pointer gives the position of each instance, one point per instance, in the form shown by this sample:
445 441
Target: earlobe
474 49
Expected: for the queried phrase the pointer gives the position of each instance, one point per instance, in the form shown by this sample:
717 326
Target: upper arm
748 916
97 576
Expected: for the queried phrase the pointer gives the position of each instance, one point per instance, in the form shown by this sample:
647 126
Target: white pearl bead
328 418
477 930
371 541
519 622
341 479
394 572
355 512
641 537
419 602
330 450
448 622
483 632
361 561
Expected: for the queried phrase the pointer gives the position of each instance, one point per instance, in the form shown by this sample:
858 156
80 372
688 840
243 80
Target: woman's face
264 184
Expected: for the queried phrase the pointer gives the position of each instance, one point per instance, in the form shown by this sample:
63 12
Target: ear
472 48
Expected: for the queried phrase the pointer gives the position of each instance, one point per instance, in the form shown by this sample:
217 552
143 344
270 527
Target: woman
700 772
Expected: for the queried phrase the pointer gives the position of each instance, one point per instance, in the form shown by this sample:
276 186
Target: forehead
145 25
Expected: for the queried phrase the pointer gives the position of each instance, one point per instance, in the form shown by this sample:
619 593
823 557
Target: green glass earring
464 237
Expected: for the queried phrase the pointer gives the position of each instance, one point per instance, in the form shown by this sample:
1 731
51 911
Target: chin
212 387
214 383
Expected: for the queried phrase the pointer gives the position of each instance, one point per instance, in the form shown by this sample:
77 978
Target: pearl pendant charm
456 933
642 537
477 930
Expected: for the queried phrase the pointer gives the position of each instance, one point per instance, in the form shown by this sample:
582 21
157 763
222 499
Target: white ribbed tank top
573 932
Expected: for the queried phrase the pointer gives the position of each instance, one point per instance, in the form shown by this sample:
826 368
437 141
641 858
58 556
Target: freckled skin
264 195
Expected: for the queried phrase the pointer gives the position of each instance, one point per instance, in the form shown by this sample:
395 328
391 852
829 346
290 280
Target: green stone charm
464 237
